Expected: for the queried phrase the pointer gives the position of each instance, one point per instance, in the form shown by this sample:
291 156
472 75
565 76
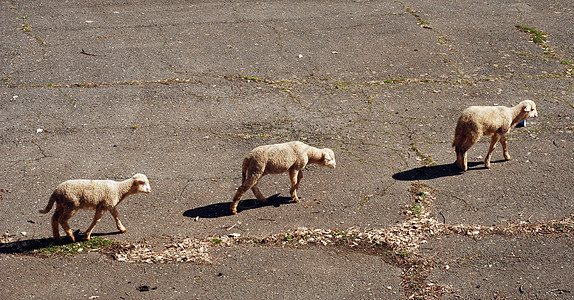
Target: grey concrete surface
530 268
181 91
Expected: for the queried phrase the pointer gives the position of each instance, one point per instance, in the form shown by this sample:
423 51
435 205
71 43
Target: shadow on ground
222 209
81 236
27 246
432 172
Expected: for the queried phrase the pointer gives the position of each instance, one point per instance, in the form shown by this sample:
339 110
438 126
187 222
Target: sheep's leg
97 217
505 148
258 194
247 184
464 143
251 184
236 199
55 225
63 220
495 138
119 224
461 159
295 176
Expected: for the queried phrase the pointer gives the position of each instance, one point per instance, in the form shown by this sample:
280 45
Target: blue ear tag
521 124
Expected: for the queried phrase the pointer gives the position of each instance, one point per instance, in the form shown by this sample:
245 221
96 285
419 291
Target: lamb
495 121
289 157
100 195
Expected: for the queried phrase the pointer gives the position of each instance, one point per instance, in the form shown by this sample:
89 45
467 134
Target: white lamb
100 195
495 121
289 157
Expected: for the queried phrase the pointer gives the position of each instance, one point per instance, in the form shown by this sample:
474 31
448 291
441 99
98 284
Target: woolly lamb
495 121
289 157
100 195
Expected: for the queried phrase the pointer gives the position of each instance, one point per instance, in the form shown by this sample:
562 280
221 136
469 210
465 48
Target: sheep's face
142 183
328 158
530 107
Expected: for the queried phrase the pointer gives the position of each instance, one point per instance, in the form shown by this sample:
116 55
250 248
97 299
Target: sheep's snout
145 188
332 164
530 107
329 158
142 183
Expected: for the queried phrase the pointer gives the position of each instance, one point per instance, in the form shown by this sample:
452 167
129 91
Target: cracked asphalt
181 91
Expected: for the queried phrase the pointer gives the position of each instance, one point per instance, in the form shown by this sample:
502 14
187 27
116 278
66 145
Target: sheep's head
530 107
142 183
328 158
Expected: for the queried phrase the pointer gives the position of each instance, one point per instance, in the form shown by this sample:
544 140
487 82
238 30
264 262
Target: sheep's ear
527 107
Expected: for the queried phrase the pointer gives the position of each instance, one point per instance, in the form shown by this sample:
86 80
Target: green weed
537 36
416 209
73 248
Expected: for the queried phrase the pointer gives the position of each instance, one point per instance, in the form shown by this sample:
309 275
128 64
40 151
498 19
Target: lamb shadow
83 236
29 246
25 246
222 209
432 172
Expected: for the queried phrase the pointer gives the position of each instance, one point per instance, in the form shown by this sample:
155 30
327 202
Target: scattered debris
86 53
6 238
145 288
186 250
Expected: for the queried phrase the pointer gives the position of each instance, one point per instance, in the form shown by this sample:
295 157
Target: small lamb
100 195
289 157
495 121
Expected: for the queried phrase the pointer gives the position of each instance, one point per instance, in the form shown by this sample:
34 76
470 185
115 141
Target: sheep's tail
460 133
465 135
50 204
455 142
244 169
457 136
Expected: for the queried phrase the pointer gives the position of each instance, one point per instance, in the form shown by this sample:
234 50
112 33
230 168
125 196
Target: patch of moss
95 243
537 36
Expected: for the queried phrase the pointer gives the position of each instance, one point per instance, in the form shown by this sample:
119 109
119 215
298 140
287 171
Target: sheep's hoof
123 230
488 166
234 211
462 168
296 199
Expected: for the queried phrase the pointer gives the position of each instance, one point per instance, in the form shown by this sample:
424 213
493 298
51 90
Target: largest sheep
99 195
495 121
